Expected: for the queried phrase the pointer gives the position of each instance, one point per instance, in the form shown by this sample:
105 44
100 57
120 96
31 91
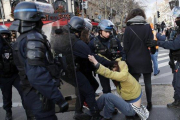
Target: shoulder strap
135 34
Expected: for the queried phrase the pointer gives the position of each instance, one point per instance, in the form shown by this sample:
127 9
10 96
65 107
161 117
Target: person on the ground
108 46
127 87
32 55
137 32
175 47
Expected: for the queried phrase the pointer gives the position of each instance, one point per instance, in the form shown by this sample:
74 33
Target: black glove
151 43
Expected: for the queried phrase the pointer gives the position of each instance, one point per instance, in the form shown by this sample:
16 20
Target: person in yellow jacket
127 87
154 56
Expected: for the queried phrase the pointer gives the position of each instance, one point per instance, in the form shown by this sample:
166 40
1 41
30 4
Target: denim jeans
110 101
155 62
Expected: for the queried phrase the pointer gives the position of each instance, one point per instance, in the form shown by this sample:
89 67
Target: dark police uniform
34 61
109 48
8 75
175 52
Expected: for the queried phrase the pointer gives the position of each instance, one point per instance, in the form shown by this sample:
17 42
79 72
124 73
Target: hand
151 43
92 59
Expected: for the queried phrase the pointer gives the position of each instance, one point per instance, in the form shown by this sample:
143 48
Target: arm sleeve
160 37
81 49
118 76
173 45
40 78
126 41
91 46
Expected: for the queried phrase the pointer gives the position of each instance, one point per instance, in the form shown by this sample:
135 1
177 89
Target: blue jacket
173 45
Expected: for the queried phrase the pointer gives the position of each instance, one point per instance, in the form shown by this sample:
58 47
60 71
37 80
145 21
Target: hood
136 20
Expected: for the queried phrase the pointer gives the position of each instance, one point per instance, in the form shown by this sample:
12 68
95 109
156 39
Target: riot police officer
34 60
108 46
9 74
174 46
80 53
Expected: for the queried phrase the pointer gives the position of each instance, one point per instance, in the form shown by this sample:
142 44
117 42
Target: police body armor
37 53
6 62
111 52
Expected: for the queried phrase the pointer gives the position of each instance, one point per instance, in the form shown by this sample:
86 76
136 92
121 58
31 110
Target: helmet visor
44 7
40 7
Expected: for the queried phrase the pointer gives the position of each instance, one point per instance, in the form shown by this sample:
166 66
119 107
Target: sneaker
8 116
97 117
175 104
157 73
142 112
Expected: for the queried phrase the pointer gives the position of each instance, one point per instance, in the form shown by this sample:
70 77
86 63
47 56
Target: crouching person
127 87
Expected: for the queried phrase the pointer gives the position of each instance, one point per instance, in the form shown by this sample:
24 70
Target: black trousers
105 83
147 82
86 94
6 88
176 82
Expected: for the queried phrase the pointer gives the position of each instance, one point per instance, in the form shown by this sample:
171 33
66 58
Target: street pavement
161 95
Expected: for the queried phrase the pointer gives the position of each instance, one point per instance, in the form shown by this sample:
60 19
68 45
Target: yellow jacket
130 88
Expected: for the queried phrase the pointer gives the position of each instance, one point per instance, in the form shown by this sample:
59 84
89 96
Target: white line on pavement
163 58
161 54
14 104
157 77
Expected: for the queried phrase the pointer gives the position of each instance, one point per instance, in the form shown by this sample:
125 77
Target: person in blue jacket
107 45
33 58
175 47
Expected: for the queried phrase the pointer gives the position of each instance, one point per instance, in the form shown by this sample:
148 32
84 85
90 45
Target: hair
85 36
116 83
134 13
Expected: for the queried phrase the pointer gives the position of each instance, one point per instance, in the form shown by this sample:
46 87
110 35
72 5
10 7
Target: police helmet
88 24
76 24
105 25
31 11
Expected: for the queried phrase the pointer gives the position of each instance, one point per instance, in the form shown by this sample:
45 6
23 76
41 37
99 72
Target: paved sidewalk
162 94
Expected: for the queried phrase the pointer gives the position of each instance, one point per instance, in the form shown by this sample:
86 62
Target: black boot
97 116
8 115
175 104
149 106
82 116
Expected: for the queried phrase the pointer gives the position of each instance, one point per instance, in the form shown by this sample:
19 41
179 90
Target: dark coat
138 55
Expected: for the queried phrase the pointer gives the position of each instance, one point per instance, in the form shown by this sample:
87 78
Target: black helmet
31 11
76 24
105 25
4 30
5 33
